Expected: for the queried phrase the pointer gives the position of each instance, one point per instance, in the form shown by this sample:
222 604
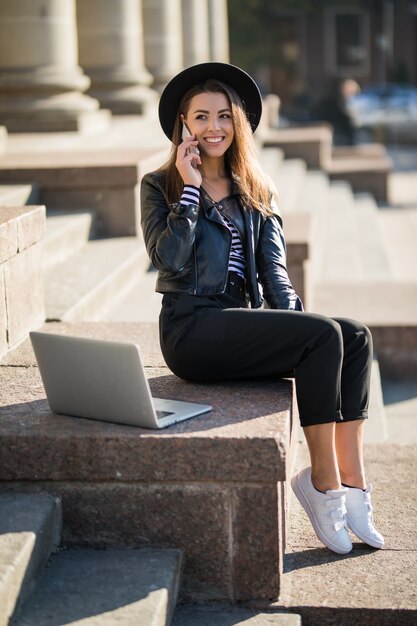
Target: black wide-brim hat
242 83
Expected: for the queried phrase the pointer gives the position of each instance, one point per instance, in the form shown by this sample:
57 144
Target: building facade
308 44
69 64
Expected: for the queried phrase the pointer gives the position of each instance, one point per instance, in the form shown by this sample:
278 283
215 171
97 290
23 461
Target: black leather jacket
190 246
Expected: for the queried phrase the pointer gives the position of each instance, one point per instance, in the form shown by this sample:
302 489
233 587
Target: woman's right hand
187 161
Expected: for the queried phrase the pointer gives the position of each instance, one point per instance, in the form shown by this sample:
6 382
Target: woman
213 231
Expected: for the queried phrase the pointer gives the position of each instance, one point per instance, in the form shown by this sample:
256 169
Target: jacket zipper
195 269
228 256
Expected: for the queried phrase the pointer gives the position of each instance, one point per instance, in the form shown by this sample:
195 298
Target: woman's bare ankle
323 482
356 480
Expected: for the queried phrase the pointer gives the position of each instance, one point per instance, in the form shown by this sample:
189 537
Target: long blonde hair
240 159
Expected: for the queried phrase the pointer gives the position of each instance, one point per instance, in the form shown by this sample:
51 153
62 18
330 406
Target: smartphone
186 133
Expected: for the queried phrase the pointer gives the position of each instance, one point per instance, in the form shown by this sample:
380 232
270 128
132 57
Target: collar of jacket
233 211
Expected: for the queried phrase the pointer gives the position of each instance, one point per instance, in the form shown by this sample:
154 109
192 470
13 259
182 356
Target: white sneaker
359 516
326 511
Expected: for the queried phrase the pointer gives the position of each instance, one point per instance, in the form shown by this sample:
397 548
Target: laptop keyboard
160 414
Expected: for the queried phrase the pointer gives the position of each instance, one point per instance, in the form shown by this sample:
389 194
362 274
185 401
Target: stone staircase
358 259
83 275
88 282
65 235
42 584
216 489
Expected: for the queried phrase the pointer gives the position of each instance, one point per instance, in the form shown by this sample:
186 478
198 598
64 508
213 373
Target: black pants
207 339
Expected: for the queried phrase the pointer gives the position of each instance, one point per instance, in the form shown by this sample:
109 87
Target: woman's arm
168 231
272 267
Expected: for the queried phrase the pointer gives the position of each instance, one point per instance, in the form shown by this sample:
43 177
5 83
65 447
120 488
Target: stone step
314 199
381 582
399 234
86 285
373 258
289 181
353 247
367 301
364 173
340 258
3 139
403 187
310 142
400 402
212 486
231 616
18 195
271 160
30 527
314 194
394 327
105 587
22 305
106 180
66 234
140 304
376 430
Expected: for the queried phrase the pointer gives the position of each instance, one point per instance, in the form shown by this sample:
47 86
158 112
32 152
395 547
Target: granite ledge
245 438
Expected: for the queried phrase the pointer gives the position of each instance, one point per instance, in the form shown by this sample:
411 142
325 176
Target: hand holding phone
185 134
188 167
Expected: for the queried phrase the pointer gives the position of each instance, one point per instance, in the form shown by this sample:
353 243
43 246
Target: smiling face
209 118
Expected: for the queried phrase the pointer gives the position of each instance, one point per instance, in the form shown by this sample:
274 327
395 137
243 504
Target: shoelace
338 512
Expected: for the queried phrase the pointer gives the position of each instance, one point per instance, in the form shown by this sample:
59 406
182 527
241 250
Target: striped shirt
237 258
191 195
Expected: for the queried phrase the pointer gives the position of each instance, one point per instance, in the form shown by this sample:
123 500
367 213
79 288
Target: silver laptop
103 380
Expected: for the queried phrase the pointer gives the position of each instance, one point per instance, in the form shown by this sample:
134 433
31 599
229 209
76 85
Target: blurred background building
296 47
68 64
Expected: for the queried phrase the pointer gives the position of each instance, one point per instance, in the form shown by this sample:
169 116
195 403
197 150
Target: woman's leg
223 344
355 383
324 463
359 517
319 491
227 344
336 452
356 374
349 450
356 369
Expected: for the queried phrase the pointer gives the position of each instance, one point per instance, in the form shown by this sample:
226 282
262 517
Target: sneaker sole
367 540
310 513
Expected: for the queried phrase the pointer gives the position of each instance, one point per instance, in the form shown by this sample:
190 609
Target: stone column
163 39
3 139
218 30
195 26
110 43
41 83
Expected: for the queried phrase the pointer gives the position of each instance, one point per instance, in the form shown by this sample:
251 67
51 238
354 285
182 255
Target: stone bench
213 486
